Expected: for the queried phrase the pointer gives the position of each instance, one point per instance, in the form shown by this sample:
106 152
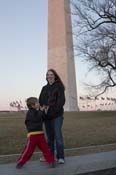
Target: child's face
36 106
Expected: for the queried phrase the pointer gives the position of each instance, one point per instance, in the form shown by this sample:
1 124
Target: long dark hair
57 77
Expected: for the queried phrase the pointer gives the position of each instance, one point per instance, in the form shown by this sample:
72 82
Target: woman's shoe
61 161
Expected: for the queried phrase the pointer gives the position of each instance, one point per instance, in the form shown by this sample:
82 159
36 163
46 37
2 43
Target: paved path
73 166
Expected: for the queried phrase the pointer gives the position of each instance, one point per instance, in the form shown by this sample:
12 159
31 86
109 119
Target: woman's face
50 77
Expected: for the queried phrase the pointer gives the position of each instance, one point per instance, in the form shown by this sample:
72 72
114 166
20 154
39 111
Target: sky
23 50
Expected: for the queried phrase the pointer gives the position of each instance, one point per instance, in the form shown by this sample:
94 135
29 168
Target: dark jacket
54 97
34 120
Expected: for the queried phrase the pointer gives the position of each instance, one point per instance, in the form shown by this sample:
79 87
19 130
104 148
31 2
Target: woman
52 96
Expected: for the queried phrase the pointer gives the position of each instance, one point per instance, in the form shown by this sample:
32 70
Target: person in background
36 138
53 98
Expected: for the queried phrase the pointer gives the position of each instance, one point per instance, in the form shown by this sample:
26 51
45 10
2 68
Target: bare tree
94 27
17 105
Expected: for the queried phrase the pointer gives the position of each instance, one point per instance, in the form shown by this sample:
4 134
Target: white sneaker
61 161
42 159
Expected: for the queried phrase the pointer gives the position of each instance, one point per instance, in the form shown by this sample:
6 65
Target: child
35 134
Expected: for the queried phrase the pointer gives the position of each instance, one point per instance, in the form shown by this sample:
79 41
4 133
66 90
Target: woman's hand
46 109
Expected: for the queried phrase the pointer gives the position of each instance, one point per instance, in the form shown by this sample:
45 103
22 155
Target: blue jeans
54 136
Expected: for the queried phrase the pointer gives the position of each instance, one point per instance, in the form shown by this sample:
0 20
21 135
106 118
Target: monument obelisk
60 48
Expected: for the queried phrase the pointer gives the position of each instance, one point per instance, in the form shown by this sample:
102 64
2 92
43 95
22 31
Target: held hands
44 108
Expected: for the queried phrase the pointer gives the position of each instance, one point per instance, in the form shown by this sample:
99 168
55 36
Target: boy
33 122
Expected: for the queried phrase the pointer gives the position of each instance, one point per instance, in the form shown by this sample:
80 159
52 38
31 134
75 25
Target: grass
79 129
89 128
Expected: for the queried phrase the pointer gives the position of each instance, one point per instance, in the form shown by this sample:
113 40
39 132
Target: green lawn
79 129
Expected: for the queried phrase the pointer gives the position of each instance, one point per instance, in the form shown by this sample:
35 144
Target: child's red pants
33 141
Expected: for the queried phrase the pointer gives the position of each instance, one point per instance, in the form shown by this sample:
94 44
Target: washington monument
60 48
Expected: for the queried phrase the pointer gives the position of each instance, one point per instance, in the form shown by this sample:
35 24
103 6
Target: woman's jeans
54 136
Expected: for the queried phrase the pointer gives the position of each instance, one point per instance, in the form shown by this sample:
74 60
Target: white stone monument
60 48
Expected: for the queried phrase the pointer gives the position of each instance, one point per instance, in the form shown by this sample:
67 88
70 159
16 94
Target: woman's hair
57 77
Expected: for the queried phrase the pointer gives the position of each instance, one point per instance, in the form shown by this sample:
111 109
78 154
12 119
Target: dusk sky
23 50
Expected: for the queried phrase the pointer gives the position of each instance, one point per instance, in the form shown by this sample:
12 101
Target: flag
108 98
81 98
88 98
96 98
102 98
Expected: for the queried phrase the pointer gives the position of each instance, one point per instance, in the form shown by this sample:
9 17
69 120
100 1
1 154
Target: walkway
73 166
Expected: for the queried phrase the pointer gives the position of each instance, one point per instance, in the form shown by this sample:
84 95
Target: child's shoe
19 166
